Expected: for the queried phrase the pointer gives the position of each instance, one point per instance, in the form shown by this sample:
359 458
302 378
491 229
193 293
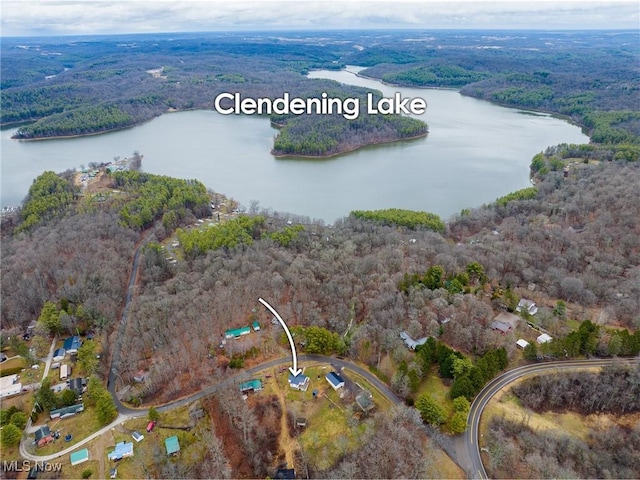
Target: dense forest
380 279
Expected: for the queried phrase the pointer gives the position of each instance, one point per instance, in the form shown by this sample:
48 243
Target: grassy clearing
328 434
446 467
80 426
75 471
434 386
23 402
13 363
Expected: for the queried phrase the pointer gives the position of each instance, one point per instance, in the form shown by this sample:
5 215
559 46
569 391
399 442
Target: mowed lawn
80 426
328 434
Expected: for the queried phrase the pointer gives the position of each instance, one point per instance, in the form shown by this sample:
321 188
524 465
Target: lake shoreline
333 155
551 113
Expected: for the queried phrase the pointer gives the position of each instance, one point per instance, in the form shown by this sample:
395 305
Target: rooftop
172 445
251 385
334 379
237 332
7 381
42 432
123 449
79 456
72 343
508 318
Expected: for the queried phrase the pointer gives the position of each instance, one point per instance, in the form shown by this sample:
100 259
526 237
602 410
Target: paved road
115 357
476 468
126 413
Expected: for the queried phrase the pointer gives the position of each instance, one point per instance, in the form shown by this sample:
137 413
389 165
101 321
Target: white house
9 386
410 342
528 306
299 382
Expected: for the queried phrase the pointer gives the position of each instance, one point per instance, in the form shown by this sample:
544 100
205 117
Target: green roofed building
251 386
79 456
66 411
172 445
237 332
256 325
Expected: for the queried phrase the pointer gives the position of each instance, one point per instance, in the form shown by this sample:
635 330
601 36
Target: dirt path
287 444
98 452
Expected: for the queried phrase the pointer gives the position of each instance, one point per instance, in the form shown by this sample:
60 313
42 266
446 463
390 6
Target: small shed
122 450
256 326
80 456
137 436
522 343
544 338
365 401
172 445
335 380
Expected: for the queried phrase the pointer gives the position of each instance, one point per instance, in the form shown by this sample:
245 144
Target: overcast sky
67 17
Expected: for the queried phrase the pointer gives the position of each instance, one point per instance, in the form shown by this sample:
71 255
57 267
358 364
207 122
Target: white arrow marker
294 370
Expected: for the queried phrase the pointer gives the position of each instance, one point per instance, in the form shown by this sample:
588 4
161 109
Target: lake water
474 153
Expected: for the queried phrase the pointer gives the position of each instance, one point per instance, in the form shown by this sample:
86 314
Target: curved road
126 413
471 439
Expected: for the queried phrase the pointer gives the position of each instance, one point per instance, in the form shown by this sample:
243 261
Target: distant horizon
54 18
329 30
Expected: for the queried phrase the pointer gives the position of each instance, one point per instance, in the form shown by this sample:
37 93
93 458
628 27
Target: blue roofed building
59 354
122 450
172 445
335 380
299 382
72 344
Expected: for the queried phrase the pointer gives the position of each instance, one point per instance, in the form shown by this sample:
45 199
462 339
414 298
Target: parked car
151 425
